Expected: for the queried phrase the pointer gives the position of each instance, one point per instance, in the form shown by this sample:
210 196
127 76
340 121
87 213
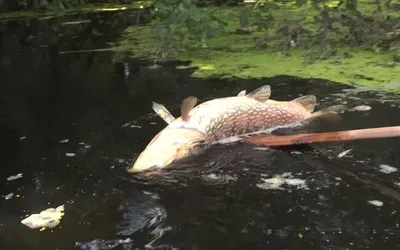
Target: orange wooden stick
349 135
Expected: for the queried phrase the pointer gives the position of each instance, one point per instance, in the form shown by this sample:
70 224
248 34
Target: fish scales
225 117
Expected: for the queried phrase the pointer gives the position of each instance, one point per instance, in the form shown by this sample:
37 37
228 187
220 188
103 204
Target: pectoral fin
261 94
163 112
242 93
186 106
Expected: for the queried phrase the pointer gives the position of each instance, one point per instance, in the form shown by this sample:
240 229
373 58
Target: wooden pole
349 135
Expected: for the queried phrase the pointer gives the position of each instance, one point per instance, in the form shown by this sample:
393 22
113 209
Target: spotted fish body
230 116
218 119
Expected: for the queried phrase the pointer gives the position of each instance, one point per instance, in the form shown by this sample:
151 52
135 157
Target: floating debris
135 126
76 22
376 203
47 218
8 196
125 125
152 195
22 138
105 244
278 180
218 178
361 108
120 160
64 141
387 169
70 154
262 149
14 177
344 153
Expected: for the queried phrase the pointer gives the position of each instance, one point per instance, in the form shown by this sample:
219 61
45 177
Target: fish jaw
170 145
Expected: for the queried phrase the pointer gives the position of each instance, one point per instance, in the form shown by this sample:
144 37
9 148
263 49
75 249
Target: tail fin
330 110
331 113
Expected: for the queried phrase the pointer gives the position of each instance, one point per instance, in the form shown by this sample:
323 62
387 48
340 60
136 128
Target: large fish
218 119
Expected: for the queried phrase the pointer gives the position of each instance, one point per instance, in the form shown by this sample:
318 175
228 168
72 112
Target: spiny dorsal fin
163 112
186 106
242 93
261 94
307 101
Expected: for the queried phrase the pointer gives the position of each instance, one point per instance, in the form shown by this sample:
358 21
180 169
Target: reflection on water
141 215
73 123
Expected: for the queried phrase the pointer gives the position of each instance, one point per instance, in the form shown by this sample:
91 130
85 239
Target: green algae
362 68
86 8
233 55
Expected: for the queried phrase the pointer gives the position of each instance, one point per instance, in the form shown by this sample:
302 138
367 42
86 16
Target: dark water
212 202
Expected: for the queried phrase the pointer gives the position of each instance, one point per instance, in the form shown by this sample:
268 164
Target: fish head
169 145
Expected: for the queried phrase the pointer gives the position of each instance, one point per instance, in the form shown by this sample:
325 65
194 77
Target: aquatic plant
317 27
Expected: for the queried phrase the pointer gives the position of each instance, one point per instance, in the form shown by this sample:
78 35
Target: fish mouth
144 164
134 169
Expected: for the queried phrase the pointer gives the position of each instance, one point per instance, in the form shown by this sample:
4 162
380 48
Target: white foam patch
64 141
8 196
278 180
14 177
387 169
262 149
152 195
218 178
70 154
376 203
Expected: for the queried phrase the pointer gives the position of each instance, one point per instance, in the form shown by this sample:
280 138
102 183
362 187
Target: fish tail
330 110
331 113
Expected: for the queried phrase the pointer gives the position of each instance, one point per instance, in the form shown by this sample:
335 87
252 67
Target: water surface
82 103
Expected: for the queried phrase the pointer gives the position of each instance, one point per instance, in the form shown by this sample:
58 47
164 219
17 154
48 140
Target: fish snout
168 146
149 160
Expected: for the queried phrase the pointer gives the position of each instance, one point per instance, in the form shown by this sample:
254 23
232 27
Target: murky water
72 124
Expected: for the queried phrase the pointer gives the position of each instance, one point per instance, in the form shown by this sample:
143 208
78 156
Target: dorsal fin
186 106
242 93
261 94
163 112
307 101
